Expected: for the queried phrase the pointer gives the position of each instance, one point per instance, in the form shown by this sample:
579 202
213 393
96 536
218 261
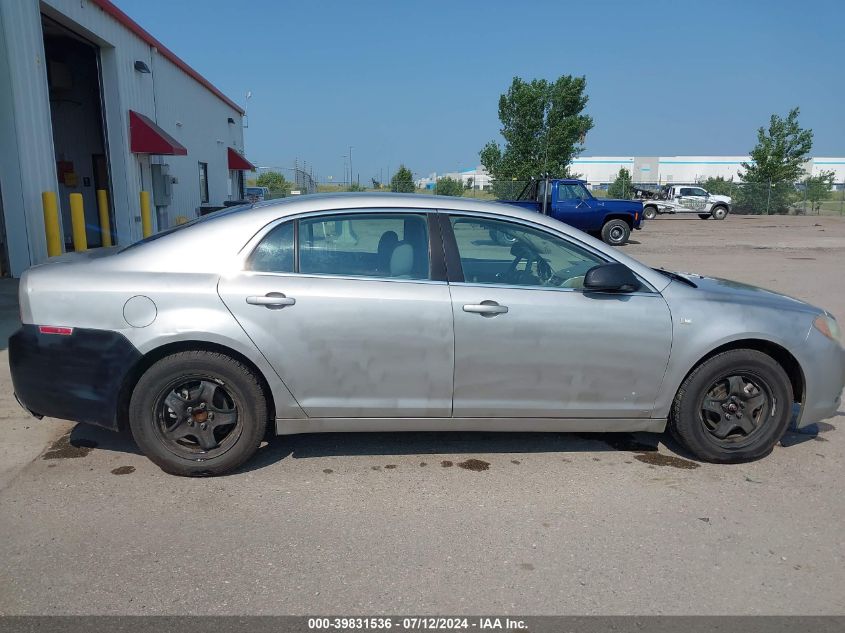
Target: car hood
719 198
730 291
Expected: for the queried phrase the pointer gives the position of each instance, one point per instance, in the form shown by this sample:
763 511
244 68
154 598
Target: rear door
353 312
529 342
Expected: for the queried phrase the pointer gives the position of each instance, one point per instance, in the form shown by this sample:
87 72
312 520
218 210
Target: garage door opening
76 109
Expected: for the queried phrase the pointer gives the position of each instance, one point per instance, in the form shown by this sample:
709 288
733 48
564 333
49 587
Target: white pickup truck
684 199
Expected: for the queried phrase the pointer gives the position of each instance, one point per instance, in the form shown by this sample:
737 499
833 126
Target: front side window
572 192
393 245
505 253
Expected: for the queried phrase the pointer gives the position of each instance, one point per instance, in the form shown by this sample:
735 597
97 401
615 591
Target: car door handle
485 308
272 300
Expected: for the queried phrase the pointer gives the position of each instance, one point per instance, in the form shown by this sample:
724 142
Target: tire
187 402
615 232
704 216
650 212
719 213
732 430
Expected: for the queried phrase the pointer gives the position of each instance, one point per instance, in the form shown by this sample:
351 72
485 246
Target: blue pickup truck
568 200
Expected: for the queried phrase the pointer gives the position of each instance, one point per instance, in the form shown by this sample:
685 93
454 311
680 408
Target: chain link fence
296 180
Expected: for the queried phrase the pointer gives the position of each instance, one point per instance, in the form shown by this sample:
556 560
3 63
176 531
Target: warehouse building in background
91 101
683 169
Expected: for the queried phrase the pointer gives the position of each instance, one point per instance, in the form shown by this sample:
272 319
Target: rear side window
384 245
275 252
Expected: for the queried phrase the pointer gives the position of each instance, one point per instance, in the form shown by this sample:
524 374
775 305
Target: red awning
145 137
237 161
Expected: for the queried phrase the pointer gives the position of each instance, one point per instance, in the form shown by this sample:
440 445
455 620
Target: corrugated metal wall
32 169
167 95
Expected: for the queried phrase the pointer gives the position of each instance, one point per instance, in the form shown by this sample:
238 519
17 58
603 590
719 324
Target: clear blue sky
418 82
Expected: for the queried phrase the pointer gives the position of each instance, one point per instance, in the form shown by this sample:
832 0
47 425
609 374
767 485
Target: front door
576 204
529 342
346 310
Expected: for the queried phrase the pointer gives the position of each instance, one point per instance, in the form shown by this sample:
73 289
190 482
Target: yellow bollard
105 225
77 220
146 216
51 223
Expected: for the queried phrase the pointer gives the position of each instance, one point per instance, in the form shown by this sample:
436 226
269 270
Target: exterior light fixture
141 67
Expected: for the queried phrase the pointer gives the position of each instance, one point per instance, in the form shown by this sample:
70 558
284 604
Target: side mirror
611 278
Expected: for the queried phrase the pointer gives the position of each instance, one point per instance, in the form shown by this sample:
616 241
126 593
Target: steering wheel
522 251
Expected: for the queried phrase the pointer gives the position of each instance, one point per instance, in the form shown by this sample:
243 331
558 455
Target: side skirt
286 426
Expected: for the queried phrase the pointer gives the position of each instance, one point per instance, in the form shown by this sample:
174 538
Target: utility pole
351 177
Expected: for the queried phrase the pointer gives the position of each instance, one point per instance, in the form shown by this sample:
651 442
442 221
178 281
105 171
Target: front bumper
824 374
74 377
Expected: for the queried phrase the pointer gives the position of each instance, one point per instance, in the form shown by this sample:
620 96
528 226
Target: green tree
719 186
777 163
817 189
402 181
274 181
447 186
621 187
543 126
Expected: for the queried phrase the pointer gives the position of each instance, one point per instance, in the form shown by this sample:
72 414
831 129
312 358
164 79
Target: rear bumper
76 377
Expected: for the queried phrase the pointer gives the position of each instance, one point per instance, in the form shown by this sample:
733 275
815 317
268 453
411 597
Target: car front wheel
198 413
734 407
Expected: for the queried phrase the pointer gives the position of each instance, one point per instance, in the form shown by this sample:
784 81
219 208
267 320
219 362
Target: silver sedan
377 312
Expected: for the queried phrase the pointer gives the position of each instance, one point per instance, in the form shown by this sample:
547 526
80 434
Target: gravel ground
449 523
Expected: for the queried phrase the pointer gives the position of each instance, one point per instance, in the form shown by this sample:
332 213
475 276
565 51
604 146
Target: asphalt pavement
444 523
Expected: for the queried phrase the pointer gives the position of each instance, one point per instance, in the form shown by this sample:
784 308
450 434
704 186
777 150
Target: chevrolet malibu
400 313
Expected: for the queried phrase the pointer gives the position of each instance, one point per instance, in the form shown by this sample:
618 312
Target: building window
204 183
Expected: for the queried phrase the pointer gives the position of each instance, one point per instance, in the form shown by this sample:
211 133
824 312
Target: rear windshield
178 227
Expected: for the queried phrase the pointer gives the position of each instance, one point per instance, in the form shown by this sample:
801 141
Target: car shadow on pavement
311 445
454 443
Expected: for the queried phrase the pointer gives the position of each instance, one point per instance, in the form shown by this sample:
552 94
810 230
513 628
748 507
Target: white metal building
683 169
90 100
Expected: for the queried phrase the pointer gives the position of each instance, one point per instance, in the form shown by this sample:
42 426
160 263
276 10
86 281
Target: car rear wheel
732 408
650 212
198 413
616 232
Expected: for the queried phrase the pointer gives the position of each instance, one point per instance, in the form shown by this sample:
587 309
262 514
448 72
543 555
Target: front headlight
828 326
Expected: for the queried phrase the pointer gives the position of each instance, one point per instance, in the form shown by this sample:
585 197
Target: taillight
55 329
